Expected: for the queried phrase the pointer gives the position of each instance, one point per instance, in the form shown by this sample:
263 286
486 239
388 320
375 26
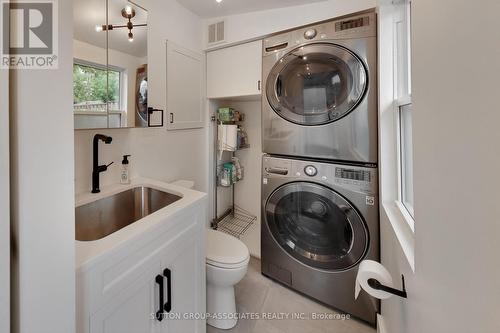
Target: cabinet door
187 273
185 82
235 71
133 310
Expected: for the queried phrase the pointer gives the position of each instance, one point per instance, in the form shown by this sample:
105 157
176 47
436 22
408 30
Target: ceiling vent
217 33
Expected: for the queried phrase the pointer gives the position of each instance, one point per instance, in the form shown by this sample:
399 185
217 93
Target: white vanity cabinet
122 291
235 71
131 310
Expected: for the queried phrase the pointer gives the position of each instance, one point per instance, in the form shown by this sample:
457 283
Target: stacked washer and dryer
320 215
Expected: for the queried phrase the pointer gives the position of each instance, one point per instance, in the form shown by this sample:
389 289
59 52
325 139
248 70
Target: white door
135 309
4 203
185 83
235 71
186 283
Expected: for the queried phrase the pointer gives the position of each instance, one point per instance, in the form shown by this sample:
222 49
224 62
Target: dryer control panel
358 26
355 178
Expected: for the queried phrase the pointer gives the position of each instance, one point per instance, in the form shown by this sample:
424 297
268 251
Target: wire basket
238 176
236 223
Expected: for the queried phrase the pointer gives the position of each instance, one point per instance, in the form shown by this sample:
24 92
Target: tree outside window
91 89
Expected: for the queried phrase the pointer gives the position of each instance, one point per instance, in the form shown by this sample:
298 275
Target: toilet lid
224 249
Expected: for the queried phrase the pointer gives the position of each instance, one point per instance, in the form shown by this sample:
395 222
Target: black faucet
97 169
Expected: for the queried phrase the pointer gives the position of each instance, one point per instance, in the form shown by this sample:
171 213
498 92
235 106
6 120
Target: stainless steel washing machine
320 91
319 220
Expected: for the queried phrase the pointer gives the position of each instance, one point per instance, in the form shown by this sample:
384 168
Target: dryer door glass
317 226
316 84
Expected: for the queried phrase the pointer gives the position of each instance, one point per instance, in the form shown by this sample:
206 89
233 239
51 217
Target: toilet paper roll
228 137
369 269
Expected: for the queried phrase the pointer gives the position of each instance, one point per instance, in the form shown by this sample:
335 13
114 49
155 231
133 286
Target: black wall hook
375 284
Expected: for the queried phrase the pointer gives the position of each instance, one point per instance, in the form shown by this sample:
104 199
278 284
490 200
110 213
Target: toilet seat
225 251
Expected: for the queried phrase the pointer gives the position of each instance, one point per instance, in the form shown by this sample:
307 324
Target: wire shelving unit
235 221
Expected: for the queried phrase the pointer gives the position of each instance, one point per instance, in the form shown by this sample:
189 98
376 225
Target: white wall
97 55
455 95
256 24
156 153
4 204
43 192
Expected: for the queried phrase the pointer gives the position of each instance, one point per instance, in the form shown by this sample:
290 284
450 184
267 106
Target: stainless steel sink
103 217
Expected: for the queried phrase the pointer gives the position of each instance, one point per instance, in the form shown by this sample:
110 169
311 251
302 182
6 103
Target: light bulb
128 10
130 37
218 1
98 28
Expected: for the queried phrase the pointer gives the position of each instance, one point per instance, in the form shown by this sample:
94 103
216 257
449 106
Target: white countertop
88 253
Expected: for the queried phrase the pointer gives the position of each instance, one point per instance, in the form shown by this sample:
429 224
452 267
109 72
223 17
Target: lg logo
29 34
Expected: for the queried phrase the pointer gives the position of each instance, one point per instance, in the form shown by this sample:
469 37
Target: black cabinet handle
168 274
159 313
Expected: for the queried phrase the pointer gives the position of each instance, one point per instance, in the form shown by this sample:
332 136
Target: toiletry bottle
125 177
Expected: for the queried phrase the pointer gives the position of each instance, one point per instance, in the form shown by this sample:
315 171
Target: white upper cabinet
235 71
185 82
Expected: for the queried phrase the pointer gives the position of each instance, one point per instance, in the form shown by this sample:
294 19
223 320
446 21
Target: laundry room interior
264 166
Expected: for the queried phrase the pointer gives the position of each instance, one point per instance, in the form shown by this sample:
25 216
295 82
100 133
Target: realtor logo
29 34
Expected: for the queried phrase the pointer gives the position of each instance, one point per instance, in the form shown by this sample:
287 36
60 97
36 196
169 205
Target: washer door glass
316 84
316 226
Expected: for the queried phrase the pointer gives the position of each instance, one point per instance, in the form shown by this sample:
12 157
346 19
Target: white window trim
405 215
401 13
408 218
402 230
393 209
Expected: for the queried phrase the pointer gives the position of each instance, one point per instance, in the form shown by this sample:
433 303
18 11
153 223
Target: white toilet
227 263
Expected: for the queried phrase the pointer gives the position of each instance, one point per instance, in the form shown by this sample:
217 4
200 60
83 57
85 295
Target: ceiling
210 8
89 13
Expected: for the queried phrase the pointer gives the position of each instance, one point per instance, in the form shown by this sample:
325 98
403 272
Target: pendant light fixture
128 13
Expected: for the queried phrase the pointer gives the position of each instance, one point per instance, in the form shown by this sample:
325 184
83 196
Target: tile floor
258 294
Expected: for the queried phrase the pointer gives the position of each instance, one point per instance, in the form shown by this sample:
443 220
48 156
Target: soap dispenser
125 177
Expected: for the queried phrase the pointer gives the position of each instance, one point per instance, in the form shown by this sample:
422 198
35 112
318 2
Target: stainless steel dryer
320 91
319 221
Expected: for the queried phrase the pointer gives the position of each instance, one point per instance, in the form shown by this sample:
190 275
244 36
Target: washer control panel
355 178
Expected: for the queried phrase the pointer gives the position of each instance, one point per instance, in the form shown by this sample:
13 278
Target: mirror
110 71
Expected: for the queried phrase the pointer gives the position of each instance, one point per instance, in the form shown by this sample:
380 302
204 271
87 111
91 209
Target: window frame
402 94
392 213
402 165
119 70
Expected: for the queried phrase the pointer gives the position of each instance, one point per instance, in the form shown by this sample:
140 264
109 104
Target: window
406 151
95 88
402 92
